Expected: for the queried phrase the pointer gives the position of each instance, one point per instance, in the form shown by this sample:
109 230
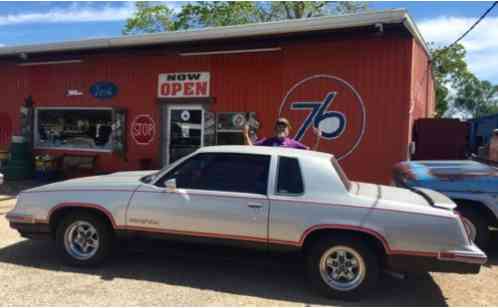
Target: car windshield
341 174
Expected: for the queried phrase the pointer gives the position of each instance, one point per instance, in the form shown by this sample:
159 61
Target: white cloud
74 13
481 43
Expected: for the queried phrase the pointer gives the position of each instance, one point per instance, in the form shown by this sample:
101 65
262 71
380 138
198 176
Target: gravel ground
30 274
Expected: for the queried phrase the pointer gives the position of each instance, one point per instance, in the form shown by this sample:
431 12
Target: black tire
370 261
103 230
480 223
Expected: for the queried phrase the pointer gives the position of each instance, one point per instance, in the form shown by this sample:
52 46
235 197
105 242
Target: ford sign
104 90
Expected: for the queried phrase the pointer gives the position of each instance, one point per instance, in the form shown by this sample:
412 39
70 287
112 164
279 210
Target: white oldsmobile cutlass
276 198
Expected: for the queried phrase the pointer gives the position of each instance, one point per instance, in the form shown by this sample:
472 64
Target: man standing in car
280 138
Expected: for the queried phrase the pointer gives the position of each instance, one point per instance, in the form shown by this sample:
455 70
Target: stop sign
143 129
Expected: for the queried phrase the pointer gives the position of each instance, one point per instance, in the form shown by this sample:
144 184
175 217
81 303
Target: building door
185 130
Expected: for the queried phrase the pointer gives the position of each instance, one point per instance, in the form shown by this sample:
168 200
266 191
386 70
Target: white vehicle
272 197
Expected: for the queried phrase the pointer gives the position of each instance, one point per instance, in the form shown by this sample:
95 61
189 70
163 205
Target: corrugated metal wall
379 69
383 70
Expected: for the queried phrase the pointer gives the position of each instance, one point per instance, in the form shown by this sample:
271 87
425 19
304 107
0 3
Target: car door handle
255 205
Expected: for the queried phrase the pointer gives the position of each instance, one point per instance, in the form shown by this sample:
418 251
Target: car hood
119 181
418 197
448 176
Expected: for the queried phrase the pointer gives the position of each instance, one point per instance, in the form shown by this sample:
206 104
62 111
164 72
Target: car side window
289 180
188 174
237 173
245 173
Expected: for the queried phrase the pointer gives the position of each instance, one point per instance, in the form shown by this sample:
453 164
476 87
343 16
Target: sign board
174 85
143 129
104 90
335 108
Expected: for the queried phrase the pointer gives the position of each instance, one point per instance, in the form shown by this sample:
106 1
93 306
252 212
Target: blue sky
441 22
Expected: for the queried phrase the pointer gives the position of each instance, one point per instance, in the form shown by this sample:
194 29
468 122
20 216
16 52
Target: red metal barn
144 101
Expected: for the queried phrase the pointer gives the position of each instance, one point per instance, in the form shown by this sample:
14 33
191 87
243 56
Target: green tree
153 17
450 70
477 97
472 97
216 14
150 18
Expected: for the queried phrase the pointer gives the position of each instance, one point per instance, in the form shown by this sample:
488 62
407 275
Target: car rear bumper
467 261
472 255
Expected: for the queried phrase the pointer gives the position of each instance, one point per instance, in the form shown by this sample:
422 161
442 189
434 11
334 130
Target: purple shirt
281 142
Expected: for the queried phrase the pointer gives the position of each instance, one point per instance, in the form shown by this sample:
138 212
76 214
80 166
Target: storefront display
230 124
98 129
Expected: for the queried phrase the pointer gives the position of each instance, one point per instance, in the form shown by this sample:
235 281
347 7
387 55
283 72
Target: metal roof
395 16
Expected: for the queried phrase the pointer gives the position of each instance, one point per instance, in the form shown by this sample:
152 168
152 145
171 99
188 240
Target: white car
275 198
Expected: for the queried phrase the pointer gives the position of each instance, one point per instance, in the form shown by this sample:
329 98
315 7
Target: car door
218 195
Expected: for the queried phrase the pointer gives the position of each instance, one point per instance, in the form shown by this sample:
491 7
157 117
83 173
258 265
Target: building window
91 129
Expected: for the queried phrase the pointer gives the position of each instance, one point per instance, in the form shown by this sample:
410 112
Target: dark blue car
471 184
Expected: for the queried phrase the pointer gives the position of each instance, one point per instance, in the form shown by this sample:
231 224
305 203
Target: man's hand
245 130
245 133
318 134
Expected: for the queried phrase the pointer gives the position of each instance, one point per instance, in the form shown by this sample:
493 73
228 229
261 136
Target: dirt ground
31 274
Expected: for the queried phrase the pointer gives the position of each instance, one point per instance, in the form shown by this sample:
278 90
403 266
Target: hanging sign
143 129
104 90
194 84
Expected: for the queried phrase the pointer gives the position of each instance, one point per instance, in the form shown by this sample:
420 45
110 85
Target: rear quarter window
289 179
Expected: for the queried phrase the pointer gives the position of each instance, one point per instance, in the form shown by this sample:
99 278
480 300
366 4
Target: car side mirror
170 185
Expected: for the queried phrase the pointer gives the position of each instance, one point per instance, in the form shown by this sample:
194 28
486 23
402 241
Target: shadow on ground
225 270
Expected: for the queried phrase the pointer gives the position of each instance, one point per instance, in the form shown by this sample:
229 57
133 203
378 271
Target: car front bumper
29 227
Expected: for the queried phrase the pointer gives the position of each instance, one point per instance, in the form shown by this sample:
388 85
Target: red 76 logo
331 123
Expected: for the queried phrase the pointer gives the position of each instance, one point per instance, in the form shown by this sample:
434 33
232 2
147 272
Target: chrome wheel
81 240
470 228
342 268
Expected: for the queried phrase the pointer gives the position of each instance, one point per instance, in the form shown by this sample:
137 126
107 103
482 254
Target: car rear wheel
342 268
476 226
83 239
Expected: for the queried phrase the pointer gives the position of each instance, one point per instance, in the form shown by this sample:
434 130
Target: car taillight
466 226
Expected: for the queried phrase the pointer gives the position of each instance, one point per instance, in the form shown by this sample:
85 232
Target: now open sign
193 84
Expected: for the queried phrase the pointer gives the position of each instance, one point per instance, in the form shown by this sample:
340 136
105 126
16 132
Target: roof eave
239 31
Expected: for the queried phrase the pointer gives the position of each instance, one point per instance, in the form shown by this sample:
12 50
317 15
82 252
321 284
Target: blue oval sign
104 90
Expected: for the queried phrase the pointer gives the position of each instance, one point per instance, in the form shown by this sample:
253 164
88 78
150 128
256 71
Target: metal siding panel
378 68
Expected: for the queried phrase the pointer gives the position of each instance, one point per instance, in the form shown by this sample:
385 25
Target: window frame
160 181
276 192
36 136
343 178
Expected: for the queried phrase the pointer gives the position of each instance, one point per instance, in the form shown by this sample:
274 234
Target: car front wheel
342 268
83 239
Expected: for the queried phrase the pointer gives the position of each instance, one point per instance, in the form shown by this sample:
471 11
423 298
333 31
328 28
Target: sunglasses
281 124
